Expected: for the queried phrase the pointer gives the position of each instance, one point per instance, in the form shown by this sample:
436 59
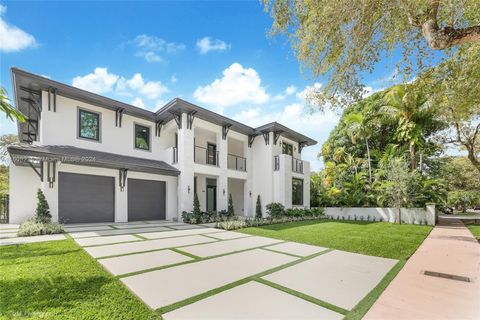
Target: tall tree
341 39
412 110
360 127
454 88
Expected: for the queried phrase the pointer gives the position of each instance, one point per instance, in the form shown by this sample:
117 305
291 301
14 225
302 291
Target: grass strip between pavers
198 259
303 296
186 254
288 254
212 292
366 303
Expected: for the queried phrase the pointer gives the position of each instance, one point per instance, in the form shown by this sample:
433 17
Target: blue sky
214 54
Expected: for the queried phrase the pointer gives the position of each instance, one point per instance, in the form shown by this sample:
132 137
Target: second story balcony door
212 154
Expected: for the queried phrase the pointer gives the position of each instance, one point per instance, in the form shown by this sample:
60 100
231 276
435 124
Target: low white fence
408 215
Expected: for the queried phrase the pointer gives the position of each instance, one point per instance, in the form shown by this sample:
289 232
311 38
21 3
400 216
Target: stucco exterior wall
408 215
61 128
24 184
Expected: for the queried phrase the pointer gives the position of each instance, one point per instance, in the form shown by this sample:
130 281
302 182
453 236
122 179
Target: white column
306 184
249 198
185 165
222 181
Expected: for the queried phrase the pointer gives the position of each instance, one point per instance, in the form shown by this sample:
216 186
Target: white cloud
13 38
150 89
238 85
151 56
149 47
138 102
173 78
100 81
308 93
287 92
207 44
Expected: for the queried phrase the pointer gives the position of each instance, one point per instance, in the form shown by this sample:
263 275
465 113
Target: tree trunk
473 158
369 161
413 161
447 37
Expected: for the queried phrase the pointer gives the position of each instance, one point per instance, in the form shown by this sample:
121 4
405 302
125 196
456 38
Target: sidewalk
449 249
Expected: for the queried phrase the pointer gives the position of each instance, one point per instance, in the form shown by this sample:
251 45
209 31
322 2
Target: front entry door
211 195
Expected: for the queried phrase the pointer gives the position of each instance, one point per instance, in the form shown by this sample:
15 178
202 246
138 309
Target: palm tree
412 111
7 108
359 127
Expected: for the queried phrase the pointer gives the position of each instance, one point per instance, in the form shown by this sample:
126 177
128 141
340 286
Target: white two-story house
101 160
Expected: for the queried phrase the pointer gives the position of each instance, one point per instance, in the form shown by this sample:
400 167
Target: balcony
297 165
236 162
208 156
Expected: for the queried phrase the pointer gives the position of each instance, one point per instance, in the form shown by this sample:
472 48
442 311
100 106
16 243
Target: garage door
146 200
85 198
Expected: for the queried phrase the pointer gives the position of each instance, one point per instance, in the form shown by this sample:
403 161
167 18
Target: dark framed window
297 192
88 125
142 137
287 148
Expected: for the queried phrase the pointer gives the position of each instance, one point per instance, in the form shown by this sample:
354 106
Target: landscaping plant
41 223
258 208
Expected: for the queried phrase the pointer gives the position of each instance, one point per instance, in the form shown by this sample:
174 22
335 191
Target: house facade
101 160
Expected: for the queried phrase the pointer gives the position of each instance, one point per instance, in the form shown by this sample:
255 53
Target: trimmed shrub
275 210
230 211
33 227
196 205
42 213
258 209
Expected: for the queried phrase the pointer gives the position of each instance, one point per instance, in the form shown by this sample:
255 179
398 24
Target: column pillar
185 165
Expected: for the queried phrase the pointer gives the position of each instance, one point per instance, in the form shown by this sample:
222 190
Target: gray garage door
146 200
85 198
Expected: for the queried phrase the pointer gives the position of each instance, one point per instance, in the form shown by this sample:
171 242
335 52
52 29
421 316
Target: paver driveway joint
182 303
144 251
303 296
196 258
276 251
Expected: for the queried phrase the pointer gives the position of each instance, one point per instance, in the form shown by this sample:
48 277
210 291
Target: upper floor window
88 125
297 192
142 137
287 148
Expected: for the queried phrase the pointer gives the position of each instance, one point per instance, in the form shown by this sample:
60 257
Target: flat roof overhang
24 155
27 85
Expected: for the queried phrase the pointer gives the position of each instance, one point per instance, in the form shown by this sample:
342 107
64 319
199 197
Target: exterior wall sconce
188 189
224 191
250 193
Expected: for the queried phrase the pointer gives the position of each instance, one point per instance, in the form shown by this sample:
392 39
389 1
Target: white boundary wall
409 215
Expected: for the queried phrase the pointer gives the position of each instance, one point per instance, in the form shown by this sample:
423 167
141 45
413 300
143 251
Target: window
287 148
297 192
88 125
142 137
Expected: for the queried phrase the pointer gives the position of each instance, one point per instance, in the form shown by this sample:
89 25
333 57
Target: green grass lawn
58 280
475 230
372 238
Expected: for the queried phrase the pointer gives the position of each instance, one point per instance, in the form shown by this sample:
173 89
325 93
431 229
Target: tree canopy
342 39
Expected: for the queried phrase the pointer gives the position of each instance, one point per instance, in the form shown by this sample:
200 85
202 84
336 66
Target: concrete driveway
198 272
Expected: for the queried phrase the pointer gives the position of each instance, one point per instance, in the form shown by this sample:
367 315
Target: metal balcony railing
205 156
297 165
236 162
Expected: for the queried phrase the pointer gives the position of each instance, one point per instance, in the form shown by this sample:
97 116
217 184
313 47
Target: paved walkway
449 249
166 264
